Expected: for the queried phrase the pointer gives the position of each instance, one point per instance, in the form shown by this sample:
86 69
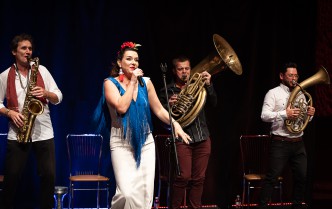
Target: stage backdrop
78 41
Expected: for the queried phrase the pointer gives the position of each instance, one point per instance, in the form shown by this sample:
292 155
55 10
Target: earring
121 75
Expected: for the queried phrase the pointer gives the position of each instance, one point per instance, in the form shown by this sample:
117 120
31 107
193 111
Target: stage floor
315 205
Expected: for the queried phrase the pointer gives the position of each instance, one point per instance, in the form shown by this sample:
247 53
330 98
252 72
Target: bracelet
7 111
46 95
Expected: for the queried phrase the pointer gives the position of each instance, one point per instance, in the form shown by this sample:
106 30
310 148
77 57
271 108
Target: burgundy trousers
193 161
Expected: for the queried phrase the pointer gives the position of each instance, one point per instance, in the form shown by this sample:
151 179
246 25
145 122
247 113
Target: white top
42 129
274 110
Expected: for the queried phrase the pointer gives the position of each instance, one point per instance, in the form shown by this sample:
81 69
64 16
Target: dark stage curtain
323 51
78 41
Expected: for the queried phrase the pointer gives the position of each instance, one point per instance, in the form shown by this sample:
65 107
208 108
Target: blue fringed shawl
136 121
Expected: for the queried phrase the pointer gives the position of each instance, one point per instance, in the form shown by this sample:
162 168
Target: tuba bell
298 124
192 97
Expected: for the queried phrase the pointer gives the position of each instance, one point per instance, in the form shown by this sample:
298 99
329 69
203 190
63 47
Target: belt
287 139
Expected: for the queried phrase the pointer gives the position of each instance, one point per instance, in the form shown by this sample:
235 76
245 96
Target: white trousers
134 186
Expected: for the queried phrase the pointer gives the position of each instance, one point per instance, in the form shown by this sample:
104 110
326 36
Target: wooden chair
84 153
254 157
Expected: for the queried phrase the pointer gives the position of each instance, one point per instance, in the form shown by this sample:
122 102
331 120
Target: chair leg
168 194
98 205
243 191
248 195
280 192
159 188
185 198
107 196
71 194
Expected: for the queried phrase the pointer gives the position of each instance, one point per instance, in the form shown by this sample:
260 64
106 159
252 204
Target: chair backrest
254 153
3 145
84 153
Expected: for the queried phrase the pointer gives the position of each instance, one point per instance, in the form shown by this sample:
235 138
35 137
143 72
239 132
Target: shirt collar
284 87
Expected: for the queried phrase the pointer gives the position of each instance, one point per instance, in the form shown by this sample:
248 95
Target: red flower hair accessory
129 45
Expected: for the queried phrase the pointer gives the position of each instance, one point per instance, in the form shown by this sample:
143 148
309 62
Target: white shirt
274 110
43 128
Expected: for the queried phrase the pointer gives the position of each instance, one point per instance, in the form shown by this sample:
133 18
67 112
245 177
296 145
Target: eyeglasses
292 76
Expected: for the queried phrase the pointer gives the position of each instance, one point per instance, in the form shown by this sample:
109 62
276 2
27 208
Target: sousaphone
192 98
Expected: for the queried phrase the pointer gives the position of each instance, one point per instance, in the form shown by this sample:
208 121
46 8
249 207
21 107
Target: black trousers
283 152
16 159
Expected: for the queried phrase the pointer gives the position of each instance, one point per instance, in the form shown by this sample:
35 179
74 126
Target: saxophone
31 107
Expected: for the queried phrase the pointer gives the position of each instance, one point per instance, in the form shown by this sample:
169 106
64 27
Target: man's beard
289 85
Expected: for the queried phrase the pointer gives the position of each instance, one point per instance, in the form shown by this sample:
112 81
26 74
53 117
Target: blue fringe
136 122
101 119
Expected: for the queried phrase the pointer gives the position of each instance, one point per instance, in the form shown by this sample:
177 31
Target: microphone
140 81
163 67
139 78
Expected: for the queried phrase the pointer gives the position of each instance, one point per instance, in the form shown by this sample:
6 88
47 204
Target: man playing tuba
193 158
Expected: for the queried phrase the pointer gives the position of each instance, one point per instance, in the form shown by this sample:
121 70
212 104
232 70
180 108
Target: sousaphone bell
192 97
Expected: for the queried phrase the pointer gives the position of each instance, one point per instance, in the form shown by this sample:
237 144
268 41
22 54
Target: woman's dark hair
127 46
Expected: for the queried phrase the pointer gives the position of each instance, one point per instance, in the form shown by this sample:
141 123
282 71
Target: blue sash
136 121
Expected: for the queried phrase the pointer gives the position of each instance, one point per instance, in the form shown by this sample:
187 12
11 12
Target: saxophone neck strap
11 95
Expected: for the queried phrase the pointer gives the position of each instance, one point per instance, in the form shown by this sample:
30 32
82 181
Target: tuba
298 124
31 107
192 97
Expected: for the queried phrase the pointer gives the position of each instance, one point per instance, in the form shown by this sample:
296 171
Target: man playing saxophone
286 146
19 86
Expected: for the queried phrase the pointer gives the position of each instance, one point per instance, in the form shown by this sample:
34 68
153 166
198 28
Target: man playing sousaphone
191 93
25 83
192 158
